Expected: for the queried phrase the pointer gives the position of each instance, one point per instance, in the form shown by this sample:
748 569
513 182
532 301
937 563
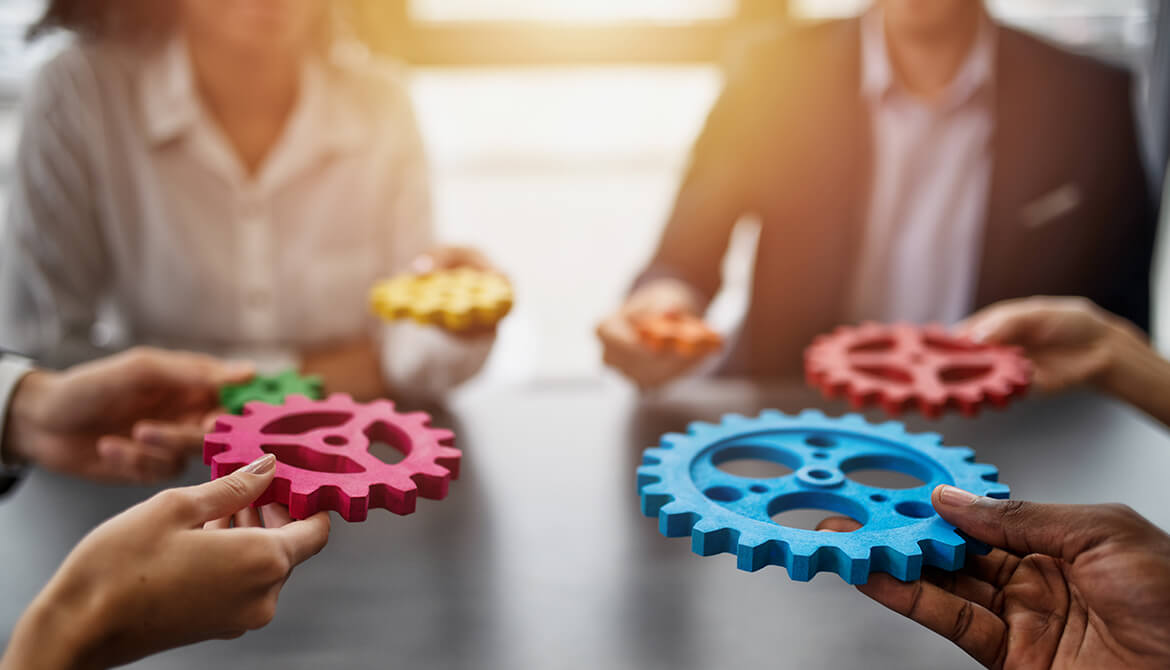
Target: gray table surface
540 559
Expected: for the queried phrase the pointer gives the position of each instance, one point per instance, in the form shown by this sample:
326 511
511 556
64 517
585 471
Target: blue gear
681 484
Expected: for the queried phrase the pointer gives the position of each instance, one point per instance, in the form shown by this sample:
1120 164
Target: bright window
609 11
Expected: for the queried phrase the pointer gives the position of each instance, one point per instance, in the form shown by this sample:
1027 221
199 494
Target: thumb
227 495
1062 531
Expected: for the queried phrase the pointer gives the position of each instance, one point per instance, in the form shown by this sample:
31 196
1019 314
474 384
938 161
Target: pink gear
902 365
322 453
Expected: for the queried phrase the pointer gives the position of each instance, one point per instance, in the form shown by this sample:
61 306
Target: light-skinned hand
131 417
1070 341
1069 586
166 573
623 349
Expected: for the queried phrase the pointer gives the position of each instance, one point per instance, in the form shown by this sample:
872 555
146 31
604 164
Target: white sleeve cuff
12 370
426 361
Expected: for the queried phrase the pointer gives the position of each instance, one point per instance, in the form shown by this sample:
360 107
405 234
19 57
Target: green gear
270 389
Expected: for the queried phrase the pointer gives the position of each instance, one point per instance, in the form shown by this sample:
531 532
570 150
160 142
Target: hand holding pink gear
902 365
323 460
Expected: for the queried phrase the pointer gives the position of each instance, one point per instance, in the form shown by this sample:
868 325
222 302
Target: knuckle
176 502
261 614
962 623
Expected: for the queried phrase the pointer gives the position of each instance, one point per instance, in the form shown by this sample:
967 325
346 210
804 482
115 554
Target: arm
167 573
684 274
1071 342
53 264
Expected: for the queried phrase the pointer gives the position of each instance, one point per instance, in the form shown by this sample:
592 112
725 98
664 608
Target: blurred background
558 131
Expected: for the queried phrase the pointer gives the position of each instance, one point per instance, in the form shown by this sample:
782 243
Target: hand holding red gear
904 366
323 461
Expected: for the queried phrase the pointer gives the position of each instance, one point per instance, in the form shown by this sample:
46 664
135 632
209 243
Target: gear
685 335
271 389
901 365
457 300
680 483
323 455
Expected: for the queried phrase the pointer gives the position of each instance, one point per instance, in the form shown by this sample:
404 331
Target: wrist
1126 359
24 419
56 632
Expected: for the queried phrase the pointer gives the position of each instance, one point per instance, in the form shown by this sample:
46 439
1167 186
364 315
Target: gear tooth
772 415
675 520
673 440
996 490
709 538
652 456
960 454
701 428
811 414
929 440
734 420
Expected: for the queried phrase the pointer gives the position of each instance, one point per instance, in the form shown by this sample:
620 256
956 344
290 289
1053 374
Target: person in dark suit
915 163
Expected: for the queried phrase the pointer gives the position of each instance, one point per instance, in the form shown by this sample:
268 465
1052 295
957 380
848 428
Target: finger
1063 531
249 517
227 495
125 460
218 524
1007 323
973 628
838 524
275 515
177 437
995 568
965 586
187 370
303 539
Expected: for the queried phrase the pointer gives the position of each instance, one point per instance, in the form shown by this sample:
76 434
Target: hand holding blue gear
270 389
681 484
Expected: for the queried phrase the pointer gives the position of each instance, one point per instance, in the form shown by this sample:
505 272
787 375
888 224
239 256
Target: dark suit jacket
789 142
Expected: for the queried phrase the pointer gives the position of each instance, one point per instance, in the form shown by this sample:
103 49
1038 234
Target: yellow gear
453 299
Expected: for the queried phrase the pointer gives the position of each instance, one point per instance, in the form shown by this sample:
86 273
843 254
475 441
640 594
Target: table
540 558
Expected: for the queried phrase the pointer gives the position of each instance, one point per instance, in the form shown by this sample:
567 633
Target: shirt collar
877 73
329 114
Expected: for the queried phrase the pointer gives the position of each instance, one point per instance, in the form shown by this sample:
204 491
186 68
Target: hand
153 578
1070 341
1073 586
624 350
132 417
451 258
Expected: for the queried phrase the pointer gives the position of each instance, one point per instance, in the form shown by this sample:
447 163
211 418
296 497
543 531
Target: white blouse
128 199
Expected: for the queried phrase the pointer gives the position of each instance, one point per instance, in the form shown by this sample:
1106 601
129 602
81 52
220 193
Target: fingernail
956 497
151 436
262 465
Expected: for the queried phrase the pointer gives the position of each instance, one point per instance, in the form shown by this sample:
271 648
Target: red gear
323 458
901 365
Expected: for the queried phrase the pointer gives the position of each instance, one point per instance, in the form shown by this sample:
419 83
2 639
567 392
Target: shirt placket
257 266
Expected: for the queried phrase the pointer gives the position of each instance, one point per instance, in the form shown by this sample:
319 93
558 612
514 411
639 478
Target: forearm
54 634
1137 374
352 368
427 362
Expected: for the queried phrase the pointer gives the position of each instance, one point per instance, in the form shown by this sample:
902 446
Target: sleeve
12 370
53 262
715 191
421 360
1125 289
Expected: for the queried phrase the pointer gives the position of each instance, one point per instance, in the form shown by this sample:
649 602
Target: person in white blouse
222 176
